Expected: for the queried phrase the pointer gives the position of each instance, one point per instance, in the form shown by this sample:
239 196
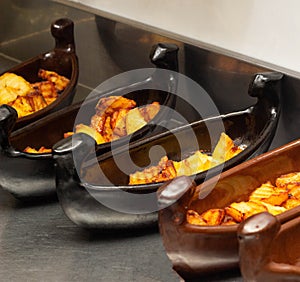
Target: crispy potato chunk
67 134
214 216
194 164
291 203
273 199
288 180
295 192
192 217
60 82
162 172
39 151
149 111
117 116
225 149
12 86
22 105
90 131
29 98
97 122
26 105
119 130
134 121
108 105
107 130
269 194
47 89
242 210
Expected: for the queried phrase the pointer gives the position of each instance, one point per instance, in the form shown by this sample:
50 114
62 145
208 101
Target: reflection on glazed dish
115 117
275 199
196 163
28 98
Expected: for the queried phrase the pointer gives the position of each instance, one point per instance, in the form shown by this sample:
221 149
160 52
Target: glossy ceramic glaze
61 59
82 194
36 171
198 251
268 250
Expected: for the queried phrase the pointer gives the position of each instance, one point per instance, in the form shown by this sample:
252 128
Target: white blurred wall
263 31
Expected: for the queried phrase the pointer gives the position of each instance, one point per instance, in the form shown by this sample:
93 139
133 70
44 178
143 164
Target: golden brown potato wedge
134 121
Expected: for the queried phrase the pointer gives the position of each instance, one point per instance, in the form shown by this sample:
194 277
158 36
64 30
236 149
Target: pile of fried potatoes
28 98
115 117
196 163
275 199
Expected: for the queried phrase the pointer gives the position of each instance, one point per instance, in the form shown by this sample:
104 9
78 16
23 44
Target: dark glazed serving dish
36 171
198 251
82 191
61 59
268 250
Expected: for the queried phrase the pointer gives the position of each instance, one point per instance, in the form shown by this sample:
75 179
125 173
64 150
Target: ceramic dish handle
8 118
63 32
261 239
70 151
165 56
179 189
268 82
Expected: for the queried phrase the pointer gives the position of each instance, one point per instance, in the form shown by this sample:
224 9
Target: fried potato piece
91 132
119 130
192 217
242 210
134 121
22 106
269 194
60 82
28 98
36 100
198 161
194 164
291 203
107 105
12 86
150 111
273 199
107 130
67 134
26 105
225 149
47 89
213 216
289 180
295 192
39 151
274 210
162 172
97 122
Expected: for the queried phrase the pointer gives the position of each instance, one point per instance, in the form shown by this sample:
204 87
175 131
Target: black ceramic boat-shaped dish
29 176
198 252
94 194
61 59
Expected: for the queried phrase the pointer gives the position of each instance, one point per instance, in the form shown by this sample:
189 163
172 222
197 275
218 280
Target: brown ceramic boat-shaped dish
199 251
62 59
29 176
268 250
92 193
